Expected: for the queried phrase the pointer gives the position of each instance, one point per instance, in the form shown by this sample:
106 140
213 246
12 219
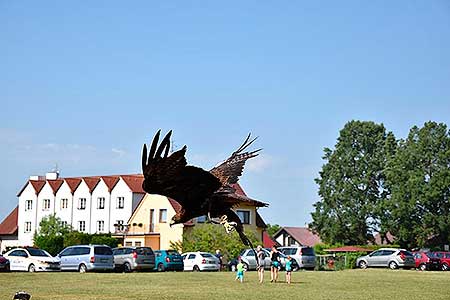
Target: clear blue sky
85 83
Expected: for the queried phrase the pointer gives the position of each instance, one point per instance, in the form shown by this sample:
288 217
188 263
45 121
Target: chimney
52 175
37 177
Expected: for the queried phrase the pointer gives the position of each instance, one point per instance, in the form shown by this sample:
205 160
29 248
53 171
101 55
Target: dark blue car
168 260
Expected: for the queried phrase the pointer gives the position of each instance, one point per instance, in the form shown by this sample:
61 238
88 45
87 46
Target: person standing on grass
240 271
261 259
288 269
220 257
275 264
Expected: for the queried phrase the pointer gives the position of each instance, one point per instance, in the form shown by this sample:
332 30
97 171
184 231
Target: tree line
372 182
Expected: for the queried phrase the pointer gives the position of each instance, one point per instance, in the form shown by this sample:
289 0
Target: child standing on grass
240 271
288 269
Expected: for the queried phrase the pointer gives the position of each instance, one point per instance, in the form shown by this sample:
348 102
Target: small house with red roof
8 231
149 224
296 236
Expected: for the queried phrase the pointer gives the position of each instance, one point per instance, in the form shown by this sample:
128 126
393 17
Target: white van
305 256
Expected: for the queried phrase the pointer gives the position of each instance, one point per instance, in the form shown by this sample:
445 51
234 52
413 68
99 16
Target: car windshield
144 251
206 255
289 251
38 252
172 252
308 251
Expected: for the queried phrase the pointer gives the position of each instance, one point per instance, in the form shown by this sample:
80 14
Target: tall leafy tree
419 178
209 238
352 184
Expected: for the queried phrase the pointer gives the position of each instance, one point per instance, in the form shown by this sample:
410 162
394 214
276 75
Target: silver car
128 259
305 256
387 257
248 259
83 258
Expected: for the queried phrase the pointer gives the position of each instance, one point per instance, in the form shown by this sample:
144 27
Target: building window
82 203
46 204
81 226
100 226
291 241
201 219
28 204
120 202
137 244
244 215
64 203
100 202
119 224
64 223
128 244
162 215
27 226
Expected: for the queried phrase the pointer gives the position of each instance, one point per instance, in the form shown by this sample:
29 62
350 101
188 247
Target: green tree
272 229
210 237
352 184
51 234
419 179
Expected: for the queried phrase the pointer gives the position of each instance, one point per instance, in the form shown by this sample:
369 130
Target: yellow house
149 223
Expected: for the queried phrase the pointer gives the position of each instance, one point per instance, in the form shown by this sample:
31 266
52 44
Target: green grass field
349 284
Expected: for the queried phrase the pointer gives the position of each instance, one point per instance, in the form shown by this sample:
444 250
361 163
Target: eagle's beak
172 222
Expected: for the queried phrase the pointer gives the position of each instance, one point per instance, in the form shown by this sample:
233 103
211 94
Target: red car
426 261
4 264
445 259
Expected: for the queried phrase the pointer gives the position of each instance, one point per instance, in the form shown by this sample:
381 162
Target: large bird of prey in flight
199 192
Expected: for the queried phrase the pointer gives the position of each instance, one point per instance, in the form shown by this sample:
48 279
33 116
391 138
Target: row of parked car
401 258
84 258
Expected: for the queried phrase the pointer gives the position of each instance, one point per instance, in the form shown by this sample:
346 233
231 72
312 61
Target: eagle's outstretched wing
169 175
229 171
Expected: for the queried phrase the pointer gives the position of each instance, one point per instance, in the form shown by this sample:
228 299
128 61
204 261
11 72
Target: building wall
167 234
26 238
121 189
82 191
65 214
100 214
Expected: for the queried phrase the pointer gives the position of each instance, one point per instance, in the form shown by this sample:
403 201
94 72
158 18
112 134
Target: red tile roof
303 235
379 241
176 206
9 224
110 181
134 182
268 242
73 183
55 185
37 186
91 182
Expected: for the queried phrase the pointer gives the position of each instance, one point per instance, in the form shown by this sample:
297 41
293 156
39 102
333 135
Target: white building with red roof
91 204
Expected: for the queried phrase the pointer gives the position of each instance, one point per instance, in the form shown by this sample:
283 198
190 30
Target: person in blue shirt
288 269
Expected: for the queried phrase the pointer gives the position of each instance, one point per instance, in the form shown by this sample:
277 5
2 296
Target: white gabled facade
94 204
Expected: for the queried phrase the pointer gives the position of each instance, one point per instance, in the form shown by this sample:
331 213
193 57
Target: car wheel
31 268
161 267
196 269
82 268
127 267
422 267
362 264
393 265
245 267
444 267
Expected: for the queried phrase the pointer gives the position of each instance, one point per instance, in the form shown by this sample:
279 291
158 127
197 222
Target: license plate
103 260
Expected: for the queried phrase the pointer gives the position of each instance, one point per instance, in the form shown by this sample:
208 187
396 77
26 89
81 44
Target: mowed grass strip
349 284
